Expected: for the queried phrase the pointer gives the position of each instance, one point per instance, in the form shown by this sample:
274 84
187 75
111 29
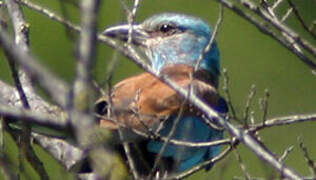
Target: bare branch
300 18
158 137
263 28
228 95
64 152
286 153
264 105
67 154
276 4
212 39
22 78
21 31
287 120
287 14
54 86
311 164
281 27
81 111
31 117
248 104
130 17
169 137
215 159
49 14
241 164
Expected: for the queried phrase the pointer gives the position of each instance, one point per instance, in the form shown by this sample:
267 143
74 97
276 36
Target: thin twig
228 95
241 164
276 4
212 39
281 27
49 14
65 15
198 167
311 164
286 15
248 104
285 120
172 131
110 114
158 137
130 17
264 29
264 105
300 19
286 153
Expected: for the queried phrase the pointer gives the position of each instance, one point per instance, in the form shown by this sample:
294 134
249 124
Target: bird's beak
122 32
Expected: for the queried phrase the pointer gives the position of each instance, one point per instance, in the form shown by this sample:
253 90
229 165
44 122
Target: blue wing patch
192 129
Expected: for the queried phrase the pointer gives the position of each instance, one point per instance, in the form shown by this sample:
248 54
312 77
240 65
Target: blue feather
192 129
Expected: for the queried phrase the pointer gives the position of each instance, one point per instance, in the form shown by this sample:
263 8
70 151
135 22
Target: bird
173 44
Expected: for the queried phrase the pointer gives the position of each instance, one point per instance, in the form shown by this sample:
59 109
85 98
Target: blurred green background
249 56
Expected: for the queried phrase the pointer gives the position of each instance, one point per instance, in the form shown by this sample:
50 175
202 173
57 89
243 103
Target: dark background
249 56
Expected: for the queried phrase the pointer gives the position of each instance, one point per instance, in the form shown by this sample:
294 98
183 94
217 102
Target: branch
280 26
32 117
300 19
241 164
67 154
49 14
287 120
21 31
202 165
311 164
103 159
132 164
263 28
23 81
286 153
55 87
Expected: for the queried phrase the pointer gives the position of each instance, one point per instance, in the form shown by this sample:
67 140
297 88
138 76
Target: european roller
173 44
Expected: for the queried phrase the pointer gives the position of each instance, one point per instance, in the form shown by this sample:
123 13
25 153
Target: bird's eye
166 28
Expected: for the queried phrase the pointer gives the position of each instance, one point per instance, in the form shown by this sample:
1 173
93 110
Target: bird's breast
143 101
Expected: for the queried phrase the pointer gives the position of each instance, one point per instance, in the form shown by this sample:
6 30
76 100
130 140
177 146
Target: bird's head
170 38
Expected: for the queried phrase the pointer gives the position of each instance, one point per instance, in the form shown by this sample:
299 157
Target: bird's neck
176 71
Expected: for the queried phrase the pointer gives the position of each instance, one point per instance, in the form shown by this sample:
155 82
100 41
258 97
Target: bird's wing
142 101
